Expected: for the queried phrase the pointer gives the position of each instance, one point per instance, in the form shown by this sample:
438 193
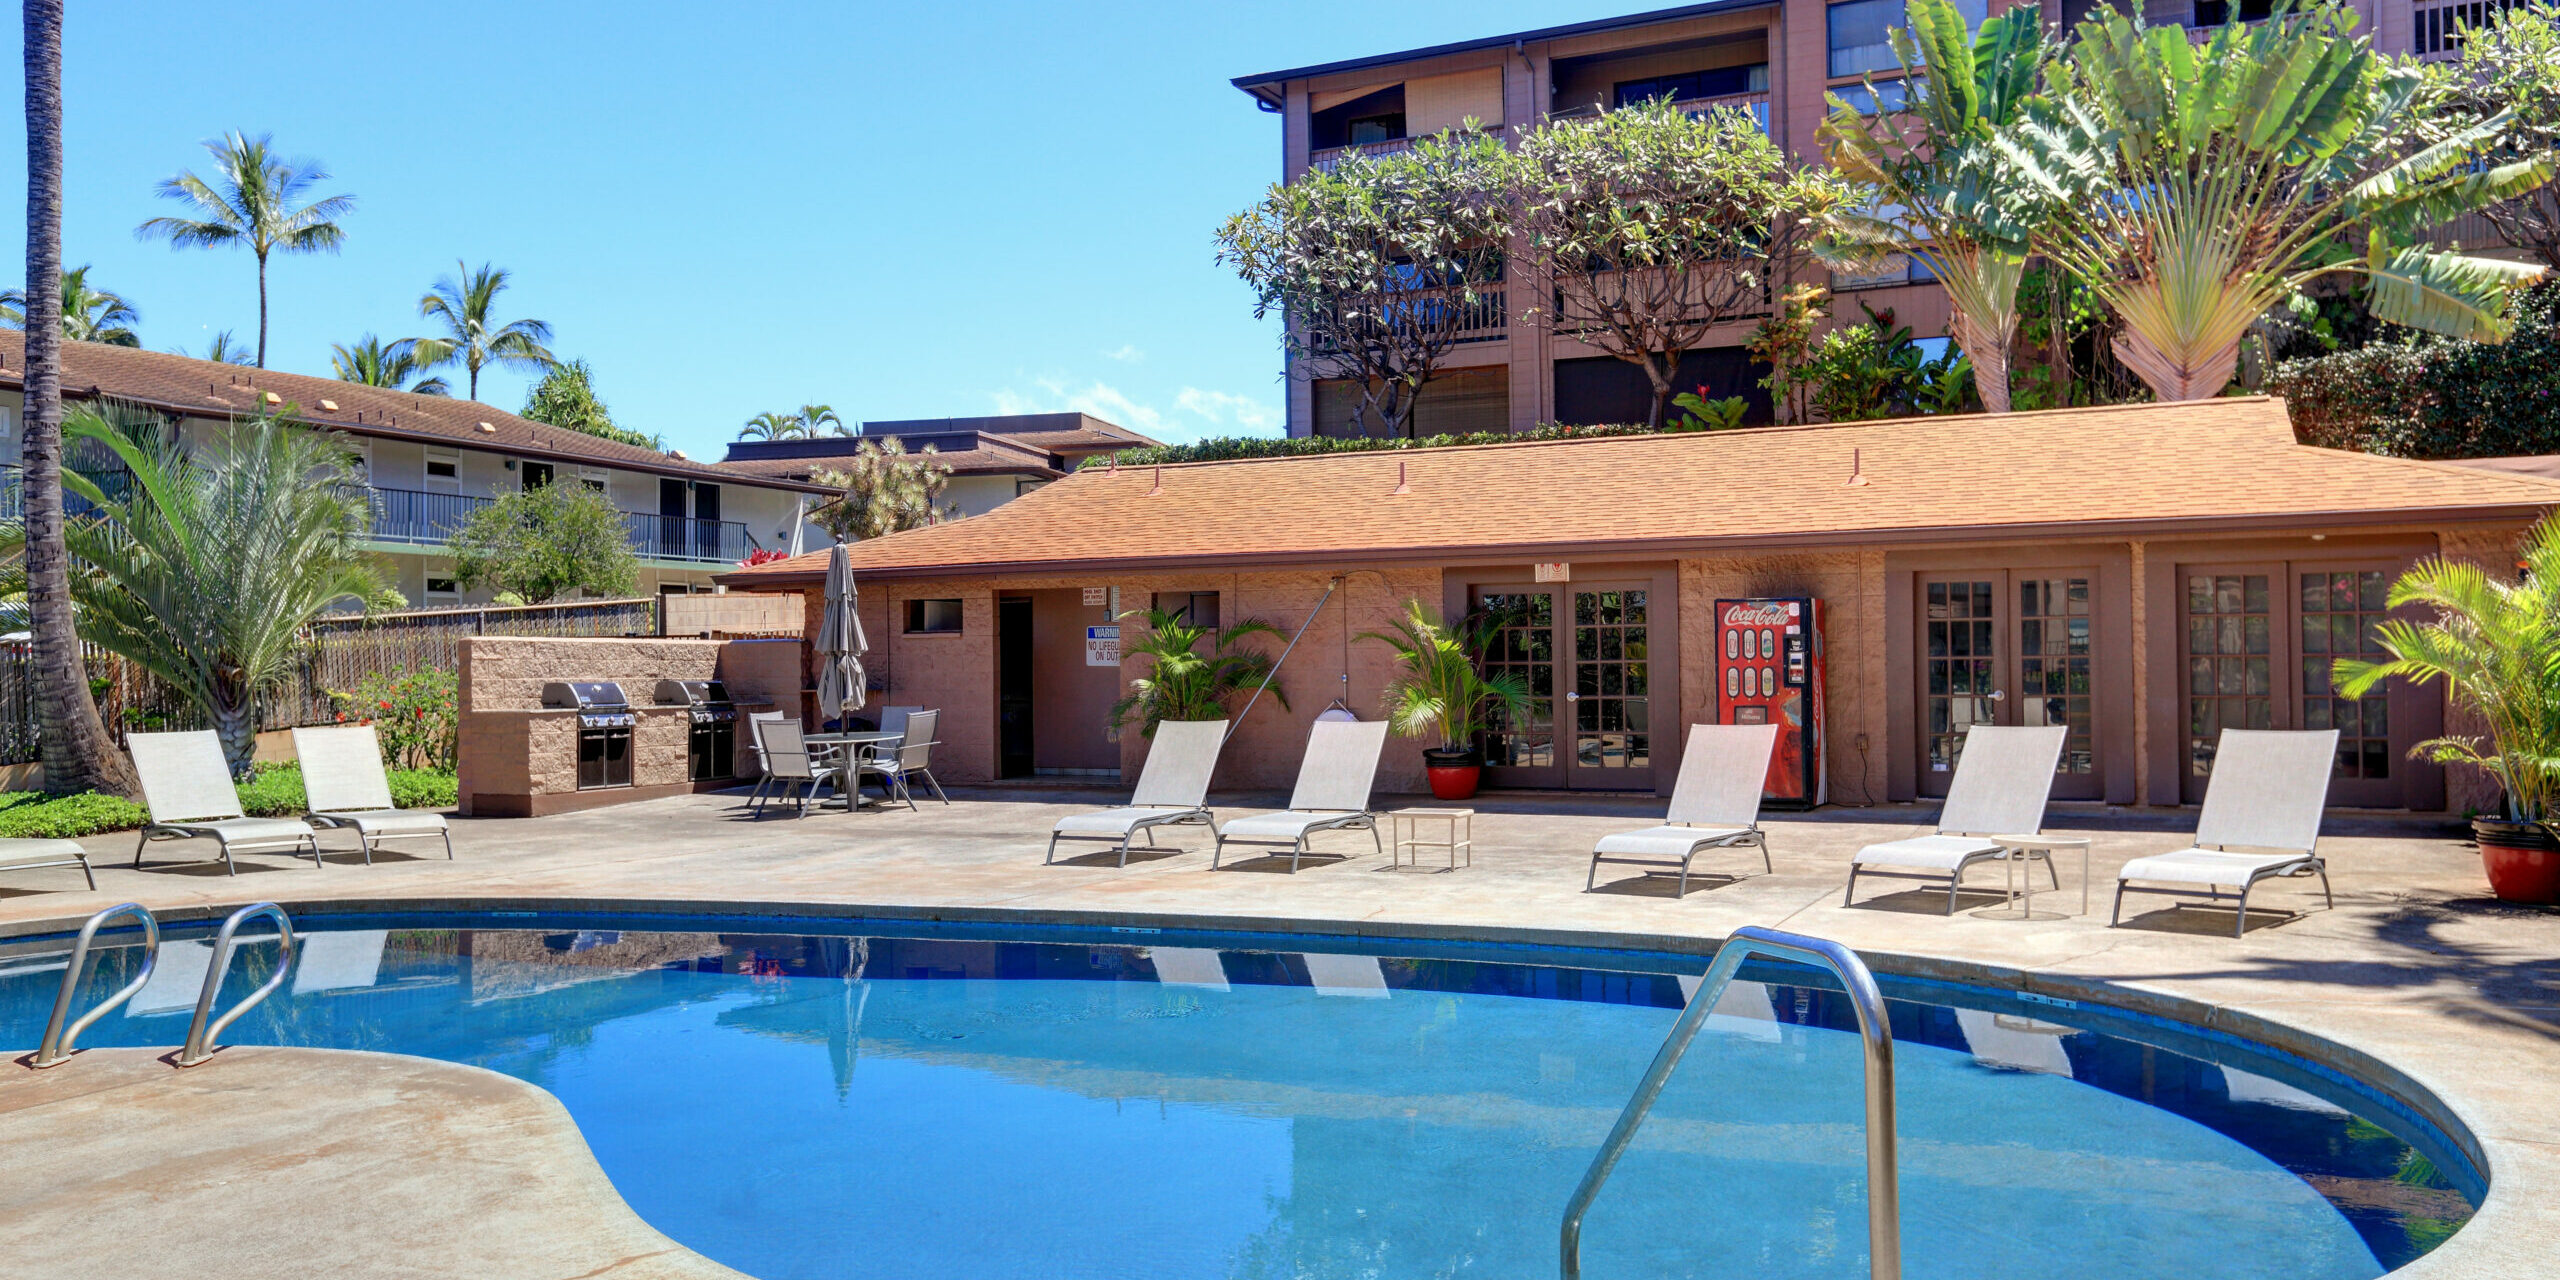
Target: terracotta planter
2522 859
1454 774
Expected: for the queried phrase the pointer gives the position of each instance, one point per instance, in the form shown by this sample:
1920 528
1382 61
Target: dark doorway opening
1013 687
1599 390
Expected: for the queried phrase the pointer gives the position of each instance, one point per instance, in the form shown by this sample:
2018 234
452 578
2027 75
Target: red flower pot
2522 859
1454 781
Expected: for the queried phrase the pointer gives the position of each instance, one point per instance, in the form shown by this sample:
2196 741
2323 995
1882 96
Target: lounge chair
1334 780
2001 782
2266 793
909 757
1173 789
186 783
344 783
26 855
789 764
1714 805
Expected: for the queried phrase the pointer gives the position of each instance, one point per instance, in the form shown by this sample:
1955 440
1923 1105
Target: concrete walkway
2417 976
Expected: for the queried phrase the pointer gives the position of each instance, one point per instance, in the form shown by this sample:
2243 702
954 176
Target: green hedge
274 792
1229 448
2432 397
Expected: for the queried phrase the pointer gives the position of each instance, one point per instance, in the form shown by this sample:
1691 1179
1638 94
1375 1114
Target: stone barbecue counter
520 759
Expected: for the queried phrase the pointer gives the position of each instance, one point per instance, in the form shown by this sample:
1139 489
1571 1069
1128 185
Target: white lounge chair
1173 789
344 783
2001 782
186 784
26 855
2266 793
1715 804
1334 781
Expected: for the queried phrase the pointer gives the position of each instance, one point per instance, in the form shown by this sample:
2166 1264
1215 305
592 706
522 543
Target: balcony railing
1326 158
408 517
115 481
1458 317
2439 27
1757 104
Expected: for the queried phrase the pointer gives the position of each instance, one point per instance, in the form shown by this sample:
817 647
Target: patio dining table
837 743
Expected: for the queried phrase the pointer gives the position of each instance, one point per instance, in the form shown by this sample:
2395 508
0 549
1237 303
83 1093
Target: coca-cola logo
1756 615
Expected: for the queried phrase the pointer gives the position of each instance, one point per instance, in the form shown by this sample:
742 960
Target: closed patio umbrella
841 643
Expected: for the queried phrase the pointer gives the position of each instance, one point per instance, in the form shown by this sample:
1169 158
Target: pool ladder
1884 1194
59 1039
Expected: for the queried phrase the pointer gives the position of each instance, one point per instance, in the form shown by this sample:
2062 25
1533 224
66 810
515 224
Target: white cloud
1128 353
1195 412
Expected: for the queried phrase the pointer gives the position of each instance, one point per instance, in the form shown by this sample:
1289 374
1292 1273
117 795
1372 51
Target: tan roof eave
1663 548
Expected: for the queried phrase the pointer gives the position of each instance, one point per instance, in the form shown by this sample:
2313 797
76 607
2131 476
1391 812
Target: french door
2258 645
1587 654
2008 647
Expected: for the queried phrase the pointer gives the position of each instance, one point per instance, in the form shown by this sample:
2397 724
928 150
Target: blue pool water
961 1103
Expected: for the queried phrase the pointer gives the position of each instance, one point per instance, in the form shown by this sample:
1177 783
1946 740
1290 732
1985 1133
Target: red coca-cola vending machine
1768 670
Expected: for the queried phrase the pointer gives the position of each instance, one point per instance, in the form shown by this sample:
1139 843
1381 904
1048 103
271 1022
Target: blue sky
901 211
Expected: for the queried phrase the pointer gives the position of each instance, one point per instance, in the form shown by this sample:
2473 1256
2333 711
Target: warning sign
1102 646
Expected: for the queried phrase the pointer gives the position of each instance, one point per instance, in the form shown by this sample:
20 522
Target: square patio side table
1407 830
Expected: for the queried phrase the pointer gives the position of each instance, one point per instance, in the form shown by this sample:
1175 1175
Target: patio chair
788 762
2002 779
27 855
908 757
186 784
344 783
1715 804
2266 793
756 721
1334 780
1172 789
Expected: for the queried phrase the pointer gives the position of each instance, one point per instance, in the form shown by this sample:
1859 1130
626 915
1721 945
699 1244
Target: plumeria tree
2510 67
1939 187
2197 188
1380 266
1648 228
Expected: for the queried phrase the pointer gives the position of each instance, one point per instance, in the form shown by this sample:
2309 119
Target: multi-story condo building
1777 59
993 460
432 460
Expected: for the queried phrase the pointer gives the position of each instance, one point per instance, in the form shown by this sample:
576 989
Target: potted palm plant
1439 693
1187 682
2496 645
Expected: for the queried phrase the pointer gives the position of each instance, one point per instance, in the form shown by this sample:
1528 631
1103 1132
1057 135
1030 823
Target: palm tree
2196 189
376 363
462 303
1438 689
88 315
815 417
1944 191
1184 683
78 754
207 570
253 199
224 349
771 425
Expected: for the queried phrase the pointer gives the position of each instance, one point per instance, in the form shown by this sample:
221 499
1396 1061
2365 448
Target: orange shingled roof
2218 463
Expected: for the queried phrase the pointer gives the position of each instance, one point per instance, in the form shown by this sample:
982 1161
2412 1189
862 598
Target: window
1860 33
535 475
1199 608
1689 86
444 470
2214 13
443 590
933 617
1888 95
2342 615
592 477
1369 118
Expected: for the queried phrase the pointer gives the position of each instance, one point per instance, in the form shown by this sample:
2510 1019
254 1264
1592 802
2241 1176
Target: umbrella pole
1268 676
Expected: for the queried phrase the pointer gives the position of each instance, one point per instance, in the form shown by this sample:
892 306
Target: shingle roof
2229 463
993 455
204 388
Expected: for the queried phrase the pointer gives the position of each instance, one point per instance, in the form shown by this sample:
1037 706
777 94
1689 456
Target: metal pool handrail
200 1036
1884 1196
56 1047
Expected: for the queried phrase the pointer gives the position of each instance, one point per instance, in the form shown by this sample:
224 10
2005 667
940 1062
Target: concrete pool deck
2416 969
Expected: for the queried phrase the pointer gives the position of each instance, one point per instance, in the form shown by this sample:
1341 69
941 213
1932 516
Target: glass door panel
1959 671
2230 661
2054 686
1611 695
1522 644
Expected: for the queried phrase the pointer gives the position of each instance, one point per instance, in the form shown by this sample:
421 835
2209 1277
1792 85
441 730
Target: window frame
921 612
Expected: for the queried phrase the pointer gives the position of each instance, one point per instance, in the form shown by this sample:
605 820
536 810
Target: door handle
1572 697
1999 695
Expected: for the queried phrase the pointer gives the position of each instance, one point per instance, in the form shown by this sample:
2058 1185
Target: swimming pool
906 1100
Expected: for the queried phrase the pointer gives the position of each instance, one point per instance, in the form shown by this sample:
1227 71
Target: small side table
2018 872
1406 833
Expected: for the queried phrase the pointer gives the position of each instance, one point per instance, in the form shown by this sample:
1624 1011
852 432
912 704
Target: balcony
1755 103
1326 158
407 517
110 476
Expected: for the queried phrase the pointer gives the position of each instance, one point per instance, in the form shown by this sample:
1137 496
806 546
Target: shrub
33 815
424 789
414 715
2434 397
275 790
